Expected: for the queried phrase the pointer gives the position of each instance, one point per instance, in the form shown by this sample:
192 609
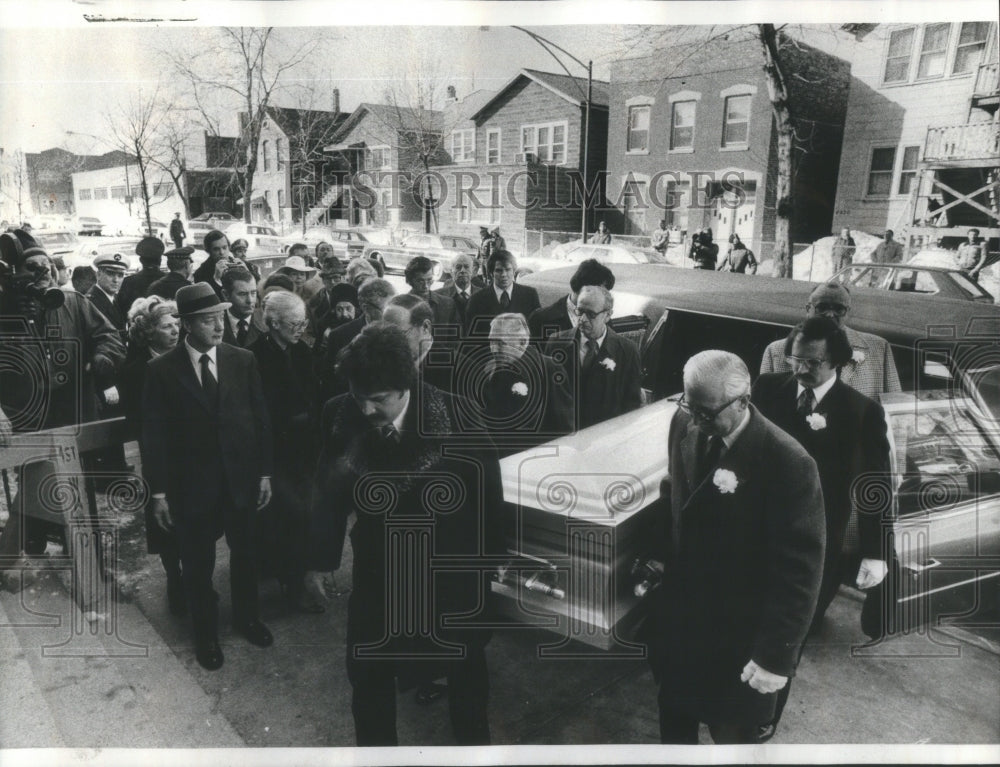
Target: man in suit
561 315
872 369
501 297
207 456
244 321
373 295
415 318
419 276
150 252
393 431
219 259
179 263
601 366
526 399
845 433
462 285
888 251
110 273
742 546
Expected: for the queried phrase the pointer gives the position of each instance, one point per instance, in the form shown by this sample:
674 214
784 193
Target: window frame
959 45
466 142
484 213
383 151
909 55
904 172
943 52
745 144
266 161
630 130
868 194
551 127
688 148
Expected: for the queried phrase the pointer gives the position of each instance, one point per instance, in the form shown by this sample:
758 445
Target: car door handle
930 564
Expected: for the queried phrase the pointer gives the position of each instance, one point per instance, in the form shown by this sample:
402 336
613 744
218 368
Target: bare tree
245 66
133 126
16 171
170 152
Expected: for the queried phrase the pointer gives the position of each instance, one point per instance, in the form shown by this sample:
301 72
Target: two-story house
922 127
518 161
692 138
294 175
387 150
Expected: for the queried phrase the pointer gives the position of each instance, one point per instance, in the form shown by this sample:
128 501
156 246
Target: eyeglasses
294 326
588 313
824 308
701 414
809 362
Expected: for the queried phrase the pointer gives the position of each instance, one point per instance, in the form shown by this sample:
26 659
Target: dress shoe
256 633
302 602
430 692
209 655
766 731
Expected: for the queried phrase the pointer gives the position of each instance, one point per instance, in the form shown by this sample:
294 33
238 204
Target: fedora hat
198 299
298 264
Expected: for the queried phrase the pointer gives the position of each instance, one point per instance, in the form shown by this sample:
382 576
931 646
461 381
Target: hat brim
206 310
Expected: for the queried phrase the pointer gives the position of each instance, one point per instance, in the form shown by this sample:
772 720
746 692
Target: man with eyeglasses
845 433
871 370
742 547
561 314
601 366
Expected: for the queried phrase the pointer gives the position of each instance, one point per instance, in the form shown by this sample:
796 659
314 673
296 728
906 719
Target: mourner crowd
270 412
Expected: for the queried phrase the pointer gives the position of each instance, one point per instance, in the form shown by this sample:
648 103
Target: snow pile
814 263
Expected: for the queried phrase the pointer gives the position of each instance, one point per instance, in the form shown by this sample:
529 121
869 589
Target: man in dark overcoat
742 542
206 454
503 295
391 455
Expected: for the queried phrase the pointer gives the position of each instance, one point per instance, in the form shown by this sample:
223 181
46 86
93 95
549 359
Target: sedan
56 241
439 248
214 216
910 278
575 253
347 243
92 247
263 240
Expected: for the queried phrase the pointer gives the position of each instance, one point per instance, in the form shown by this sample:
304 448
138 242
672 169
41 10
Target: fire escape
958 178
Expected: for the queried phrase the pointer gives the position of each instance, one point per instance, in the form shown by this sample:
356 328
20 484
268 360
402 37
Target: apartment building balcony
972 145
986 94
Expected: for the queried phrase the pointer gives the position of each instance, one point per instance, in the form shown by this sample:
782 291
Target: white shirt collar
818 392
500 292
195 356
234 321
571 311
730 438
398 420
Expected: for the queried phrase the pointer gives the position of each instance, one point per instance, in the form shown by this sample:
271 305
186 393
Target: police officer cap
112 261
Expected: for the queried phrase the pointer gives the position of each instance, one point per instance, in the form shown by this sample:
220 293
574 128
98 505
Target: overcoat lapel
185 372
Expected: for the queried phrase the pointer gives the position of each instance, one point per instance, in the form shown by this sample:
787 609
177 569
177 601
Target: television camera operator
53 344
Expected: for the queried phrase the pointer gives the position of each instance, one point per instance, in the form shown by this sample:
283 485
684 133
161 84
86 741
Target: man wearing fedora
150 252
206 451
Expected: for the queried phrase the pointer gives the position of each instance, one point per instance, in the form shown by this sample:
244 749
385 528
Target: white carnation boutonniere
858 357
725 480
608 363
816 421
520 389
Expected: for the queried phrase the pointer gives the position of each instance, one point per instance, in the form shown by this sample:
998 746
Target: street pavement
130 680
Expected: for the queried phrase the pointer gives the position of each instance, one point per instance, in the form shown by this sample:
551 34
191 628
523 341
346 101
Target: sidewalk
141 687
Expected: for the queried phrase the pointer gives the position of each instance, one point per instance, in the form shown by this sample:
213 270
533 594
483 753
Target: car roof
899 317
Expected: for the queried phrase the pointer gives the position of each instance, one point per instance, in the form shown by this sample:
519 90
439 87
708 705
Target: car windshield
54 239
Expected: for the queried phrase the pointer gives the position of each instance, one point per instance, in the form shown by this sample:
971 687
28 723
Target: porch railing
975 141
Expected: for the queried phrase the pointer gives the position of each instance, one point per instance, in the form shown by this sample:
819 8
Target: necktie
807 401
710 457
464 296
504 300
390 433
208 383
591 355
241 333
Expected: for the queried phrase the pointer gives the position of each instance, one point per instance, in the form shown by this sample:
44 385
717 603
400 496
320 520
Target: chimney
451 94
336 101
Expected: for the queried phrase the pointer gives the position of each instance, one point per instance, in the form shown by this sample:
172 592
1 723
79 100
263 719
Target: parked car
347 243
574 253
56 241
946 424
214 216
88 226
912 278
196 231
439 248
263 239
91 247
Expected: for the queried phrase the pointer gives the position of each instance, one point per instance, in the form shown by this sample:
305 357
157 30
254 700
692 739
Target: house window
908 169
933 50
84 194
638 129
897 60
547 141
682 125
281 198
493 146
100 193
880 175
971 42
263 152
463 145
380 158
279 153
267 202
481 206
736 131
117 193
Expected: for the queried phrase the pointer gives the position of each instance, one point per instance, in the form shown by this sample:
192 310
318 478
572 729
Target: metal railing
975 141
